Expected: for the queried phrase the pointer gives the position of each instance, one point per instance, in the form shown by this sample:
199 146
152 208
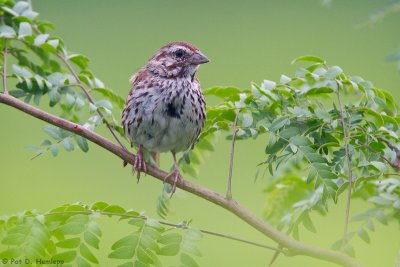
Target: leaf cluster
315 122
71 234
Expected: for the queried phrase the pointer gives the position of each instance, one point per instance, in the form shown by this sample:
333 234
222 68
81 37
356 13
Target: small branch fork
348 160
229 191
175 225
293 247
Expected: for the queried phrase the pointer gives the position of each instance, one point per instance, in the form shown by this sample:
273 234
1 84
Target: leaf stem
348 160
175 225
5 67
229 190
90 98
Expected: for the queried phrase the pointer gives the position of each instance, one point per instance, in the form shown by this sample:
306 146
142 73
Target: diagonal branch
295 247
90 98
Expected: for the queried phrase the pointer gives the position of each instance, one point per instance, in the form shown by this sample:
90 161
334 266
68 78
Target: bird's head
176 60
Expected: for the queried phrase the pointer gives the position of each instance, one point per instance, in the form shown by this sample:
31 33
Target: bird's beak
198 58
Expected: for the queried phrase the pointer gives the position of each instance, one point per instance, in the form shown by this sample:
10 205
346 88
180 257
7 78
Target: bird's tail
156 157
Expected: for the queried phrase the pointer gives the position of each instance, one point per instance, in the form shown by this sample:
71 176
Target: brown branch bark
294 247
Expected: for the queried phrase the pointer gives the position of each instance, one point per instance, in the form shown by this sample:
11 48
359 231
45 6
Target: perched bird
165 109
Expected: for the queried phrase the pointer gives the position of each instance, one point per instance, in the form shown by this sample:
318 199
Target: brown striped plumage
165 109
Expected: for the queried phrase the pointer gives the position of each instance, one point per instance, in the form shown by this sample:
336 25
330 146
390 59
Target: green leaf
53 132
122 253
247 120
92 239
363 235
278 123
30 14
80 60
69 243
41 39
54 96
87 254
188 261
54 149
66 256
72 228
169 250
300 140
9 10
68 144
21 6
140 264
144 255
312 156
54 43
308 59
171 238
100 205
82 262
319 90
111 95
7 32
128 241
82 143
14 239
380 201
222 92
25 29
284 79
333 72
193 234
307 222
191 248
204 144
12 252
115 209
94 228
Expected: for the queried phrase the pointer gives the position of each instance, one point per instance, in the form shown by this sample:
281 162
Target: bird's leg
175 174
140 164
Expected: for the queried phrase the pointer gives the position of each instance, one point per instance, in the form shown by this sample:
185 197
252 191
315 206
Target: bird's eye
179 53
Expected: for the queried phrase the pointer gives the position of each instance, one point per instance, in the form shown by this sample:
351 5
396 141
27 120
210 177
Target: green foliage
47 77
70 234
306 118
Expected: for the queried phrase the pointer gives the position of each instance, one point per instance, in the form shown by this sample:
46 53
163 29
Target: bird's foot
139 165
176 175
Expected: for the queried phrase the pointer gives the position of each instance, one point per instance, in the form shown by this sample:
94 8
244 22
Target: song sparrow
165 109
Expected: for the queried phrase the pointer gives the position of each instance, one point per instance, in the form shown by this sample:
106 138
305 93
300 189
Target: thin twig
288 232
229 191
395 165
90 98
295 247
175 225
5 67
348 160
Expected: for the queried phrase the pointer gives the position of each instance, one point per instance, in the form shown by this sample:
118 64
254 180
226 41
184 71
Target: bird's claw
139 165
176 176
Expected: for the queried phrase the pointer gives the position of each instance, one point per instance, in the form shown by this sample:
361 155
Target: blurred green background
246 41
